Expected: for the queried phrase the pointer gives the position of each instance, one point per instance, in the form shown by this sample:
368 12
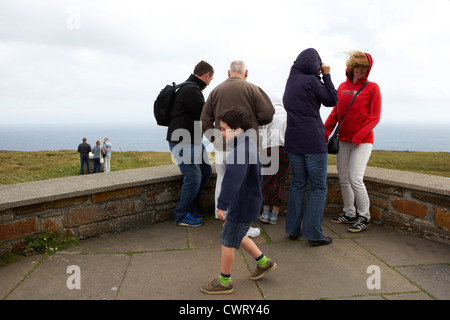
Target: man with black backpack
184 135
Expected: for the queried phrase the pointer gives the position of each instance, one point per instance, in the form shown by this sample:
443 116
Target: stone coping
410 180
29 193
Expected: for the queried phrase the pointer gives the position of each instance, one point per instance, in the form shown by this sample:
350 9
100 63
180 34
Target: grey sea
150 137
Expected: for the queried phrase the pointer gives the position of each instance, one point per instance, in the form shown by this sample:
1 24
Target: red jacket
363 115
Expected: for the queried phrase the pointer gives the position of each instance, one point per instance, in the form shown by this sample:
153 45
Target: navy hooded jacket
303 96
241 193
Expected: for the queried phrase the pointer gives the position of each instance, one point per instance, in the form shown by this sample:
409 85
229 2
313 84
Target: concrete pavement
167 262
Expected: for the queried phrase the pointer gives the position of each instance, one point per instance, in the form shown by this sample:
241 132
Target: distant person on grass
84 148
107 149
241 197
97 156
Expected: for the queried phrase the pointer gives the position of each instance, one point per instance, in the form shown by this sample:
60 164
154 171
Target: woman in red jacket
355 138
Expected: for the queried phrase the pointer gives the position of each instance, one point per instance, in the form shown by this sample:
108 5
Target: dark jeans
194 165
97 165
84 158
306 220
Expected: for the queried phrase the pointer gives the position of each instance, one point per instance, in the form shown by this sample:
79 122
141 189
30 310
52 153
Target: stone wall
91 205
96 204
413 202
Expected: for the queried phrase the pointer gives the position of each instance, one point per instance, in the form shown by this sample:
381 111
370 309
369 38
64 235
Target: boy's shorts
233 233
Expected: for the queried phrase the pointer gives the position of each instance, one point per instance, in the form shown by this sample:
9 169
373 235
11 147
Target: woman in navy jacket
306 145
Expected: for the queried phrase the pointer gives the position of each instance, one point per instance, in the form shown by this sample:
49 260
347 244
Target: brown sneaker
260 271
215 287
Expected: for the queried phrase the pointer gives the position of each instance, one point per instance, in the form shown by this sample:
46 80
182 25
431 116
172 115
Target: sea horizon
151 137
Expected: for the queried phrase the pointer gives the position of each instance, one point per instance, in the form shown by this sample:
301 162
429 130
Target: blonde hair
356 59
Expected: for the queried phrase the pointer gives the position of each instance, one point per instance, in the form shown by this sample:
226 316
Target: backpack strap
178 87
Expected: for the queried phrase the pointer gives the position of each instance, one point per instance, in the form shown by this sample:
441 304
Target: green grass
435 163
18 167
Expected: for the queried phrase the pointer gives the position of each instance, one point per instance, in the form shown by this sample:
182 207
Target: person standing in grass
241 197
107 149
97 155
355 138
84 148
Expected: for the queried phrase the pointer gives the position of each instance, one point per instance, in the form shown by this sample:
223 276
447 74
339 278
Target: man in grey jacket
234 92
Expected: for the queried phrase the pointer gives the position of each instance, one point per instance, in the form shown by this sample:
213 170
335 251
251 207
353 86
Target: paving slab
277 232
332 271
12 275
166 262
165 236
207 235
408 296
434 279
340 230
406 249
100 278
178 275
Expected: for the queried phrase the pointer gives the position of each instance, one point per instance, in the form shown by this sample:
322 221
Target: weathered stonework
413 208
115 195
92 205
442 217
18 228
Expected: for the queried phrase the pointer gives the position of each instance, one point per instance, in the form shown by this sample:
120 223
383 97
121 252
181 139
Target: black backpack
162 107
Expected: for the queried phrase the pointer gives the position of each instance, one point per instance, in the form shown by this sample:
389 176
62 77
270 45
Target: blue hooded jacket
303 96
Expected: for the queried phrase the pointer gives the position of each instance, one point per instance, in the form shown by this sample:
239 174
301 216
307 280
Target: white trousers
106 163
351 165
220 158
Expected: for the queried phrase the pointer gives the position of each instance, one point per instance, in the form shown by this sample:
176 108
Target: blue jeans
84 159
194 165
97 165
306 221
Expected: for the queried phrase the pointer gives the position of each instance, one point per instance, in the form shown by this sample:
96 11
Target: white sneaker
253 232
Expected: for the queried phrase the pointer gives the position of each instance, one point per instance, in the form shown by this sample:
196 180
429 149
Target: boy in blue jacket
241 196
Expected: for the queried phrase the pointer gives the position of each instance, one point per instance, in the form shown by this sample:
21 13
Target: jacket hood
307 62
369 57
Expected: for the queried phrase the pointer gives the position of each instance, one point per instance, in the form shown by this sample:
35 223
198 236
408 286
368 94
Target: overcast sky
69 61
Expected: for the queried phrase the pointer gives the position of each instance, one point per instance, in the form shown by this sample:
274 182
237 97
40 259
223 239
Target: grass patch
49 242
435 163
44 243
18 167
